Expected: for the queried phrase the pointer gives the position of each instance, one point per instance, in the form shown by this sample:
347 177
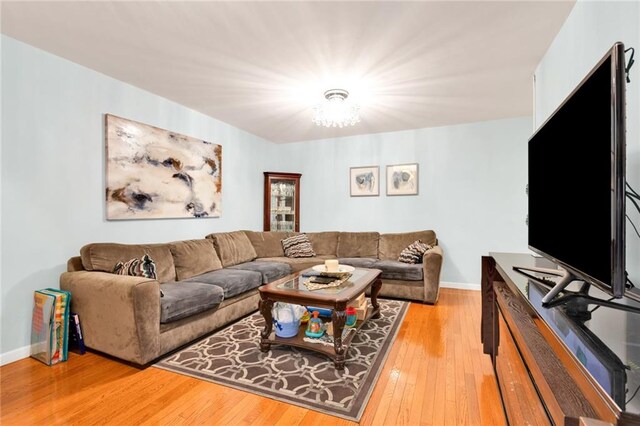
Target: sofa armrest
120 315
432 266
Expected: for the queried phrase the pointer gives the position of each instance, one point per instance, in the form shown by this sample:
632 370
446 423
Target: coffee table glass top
297 283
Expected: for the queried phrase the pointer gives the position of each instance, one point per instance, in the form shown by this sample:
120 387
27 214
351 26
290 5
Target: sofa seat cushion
270 271
358 262
183 299
232 281
298 263
394 270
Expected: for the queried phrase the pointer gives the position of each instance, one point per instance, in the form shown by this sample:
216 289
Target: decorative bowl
342 271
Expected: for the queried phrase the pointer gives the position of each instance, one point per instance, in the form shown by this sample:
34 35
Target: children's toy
352 316
315 327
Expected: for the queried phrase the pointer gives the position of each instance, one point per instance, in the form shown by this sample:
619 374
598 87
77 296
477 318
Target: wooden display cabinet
282 201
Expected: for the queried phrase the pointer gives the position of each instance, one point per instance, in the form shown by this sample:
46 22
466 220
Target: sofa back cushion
194 257
267 244
233 247
324 242
391 245
105 256
358 244
75 264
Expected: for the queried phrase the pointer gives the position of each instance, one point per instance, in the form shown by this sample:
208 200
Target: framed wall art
152 173
364 181
402 179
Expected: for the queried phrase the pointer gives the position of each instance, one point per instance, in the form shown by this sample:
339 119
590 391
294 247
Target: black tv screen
576 179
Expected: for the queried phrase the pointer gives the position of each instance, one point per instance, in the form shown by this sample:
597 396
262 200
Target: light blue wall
52 173
471 188
472 179
588 33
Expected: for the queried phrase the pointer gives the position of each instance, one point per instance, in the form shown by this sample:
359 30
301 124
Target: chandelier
335 111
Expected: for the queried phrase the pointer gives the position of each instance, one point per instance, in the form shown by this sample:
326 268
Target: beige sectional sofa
365 250
204 284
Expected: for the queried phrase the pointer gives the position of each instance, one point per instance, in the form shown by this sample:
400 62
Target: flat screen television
577 180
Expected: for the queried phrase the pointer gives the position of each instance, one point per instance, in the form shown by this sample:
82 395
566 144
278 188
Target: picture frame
402 179
364 181
153 173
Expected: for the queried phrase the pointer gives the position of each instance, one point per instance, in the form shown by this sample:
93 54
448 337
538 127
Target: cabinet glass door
283 205
282 202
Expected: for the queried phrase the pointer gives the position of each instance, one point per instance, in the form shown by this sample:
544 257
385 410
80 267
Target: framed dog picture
402 179
364 181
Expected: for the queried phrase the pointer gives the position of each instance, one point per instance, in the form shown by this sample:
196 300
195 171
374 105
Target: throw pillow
298 246
413 252
143 267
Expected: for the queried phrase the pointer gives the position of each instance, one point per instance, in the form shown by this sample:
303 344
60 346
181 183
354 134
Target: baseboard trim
15 355
460 286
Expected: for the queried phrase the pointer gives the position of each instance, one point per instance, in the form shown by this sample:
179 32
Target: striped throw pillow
143 267
413 252
298 246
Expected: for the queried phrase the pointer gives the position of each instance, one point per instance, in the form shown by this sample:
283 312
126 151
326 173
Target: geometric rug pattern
232 357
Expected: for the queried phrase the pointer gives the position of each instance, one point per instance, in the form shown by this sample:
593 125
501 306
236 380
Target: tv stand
566 278
538 352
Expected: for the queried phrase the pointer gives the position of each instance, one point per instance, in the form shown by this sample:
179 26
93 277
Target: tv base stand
575 302
566 278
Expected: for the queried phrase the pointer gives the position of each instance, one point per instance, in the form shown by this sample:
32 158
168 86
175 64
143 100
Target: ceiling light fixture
335 111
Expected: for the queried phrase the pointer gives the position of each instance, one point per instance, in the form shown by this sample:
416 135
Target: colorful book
76 340
43 342
61 323
64 320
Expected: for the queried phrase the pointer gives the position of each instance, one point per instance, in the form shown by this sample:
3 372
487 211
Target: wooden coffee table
291 289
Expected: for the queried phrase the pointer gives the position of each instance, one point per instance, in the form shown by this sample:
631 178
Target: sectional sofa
204 284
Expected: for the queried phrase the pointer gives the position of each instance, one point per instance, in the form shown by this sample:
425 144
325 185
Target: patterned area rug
231 357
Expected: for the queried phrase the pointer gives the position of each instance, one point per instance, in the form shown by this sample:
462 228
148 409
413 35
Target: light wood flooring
436 374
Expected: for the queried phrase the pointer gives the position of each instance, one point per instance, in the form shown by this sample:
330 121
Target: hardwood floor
436 374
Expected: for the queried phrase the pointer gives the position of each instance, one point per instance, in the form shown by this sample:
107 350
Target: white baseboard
15 355
460 286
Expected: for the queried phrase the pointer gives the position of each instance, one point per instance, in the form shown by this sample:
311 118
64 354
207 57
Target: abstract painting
402 179
153 173
364 181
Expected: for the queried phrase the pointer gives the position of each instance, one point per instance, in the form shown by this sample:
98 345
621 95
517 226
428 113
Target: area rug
231 357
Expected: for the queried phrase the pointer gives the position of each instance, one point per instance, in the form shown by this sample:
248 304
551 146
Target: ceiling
262 66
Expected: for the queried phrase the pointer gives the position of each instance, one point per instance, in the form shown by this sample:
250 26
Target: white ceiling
262 66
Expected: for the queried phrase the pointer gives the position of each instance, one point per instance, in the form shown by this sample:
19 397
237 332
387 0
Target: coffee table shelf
291 289
298 340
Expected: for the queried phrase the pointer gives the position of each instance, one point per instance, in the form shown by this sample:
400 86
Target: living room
508 67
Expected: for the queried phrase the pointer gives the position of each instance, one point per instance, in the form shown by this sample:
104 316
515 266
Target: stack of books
50 325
